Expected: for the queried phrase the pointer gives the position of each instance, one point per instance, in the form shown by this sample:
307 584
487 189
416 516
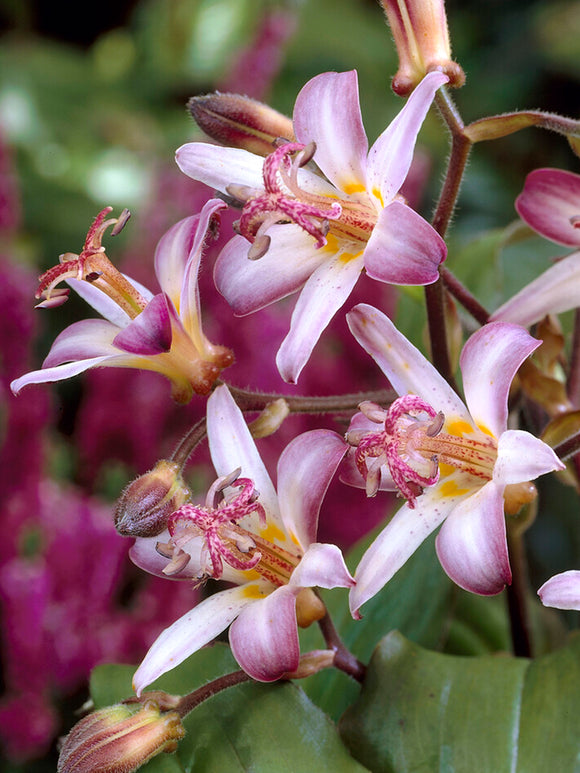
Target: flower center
92 265
413 446
284 200
224 540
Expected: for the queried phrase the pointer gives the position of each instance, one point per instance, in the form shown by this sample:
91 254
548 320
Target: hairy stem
435 293
254 401
463 296
195 698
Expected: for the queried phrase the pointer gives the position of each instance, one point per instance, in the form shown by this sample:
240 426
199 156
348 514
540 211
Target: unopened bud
309 608
516 495
145 505
270 419
311 663
119 739
419 28
240 122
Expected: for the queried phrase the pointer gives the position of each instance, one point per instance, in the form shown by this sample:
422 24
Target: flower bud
311 663
270 419
240 122
119 739
419 28
145 505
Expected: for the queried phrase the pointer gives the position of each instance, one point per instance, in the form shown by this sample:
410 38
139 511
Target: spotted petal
218 167
232 446
249 285
323 294
553 292
150 332
522 457
322 566
196 628
391 155
403 364
407 529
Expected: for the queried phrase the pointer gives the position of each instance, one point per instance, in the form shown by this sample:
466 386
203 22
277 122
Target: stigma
413 445
225 540
286 199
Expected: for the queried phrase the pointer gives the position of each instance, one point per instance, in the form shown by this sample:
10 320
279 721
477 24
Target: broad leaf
425 711
250 727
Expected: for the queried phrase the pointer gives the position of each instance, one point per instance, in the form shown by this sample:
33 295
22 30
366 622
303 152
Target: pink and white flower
451 461
314 226
262 541
140 330
550 204
562 590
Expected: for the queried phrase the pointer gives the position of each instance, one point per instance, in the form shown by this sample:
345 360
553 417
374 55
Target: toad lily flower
451 462
550 204
315 227
140 330
262 541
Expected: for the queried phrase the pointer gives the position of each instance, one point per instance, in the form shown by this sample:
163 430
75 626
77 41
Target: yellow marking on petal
331 244
378 195
271 532
346 257
485 430
294 539
353 188
445 470
252 591
451 489
458 427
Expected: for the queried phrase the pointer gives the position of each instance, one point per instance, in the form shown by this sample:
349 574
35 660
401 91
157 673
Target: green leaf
266 729
425 711
249 727
416 601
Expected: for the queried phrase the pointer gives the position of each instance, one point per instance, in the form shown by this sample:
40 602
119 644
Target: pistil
283 200
93 266
225 541
413 447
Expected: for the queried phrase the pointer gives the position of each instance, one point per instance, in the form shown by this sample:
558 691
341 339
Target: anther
260 247
437 425
307 154
121 222
241 193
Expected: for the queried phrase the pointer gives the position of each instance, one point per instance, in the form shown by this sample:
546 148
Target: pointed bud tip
120 739
145 505
239 122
